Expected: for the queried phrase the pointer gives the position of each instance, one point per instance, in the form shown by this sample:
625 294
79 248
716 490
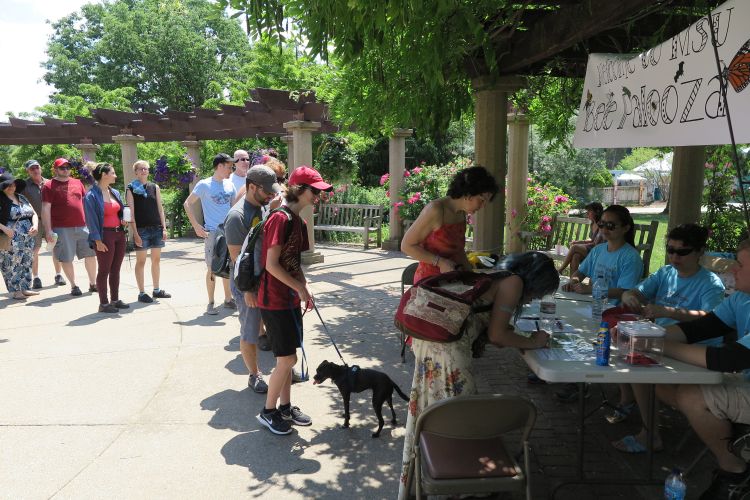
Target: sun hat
6 179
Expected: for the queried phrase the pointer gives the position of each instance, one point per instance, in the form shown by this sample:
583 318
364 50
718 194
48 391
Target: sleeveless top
447 241
145 210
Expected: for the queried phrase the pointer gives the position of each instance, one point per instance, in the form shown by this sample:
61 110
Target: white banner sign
670 95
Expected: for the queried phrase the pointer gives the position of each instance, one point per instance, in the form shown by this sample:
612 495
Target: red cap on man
309 177
60 162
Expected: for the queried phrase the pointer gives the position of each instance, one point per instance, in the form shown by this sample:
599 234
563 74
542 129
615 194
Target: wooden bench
566 229
351 218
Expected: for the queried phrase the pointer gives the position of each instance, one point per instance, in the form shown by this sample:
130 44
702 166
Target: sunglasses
679 251
607 225
63 167
313 190
243 159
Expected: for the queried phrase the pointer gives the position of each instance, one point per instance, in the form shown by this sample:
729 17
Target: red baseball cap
60 162
309 177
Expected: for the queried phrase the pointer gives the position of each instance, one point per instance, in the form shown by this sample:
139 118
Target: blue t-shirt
622 268
216 200
734 312
702 291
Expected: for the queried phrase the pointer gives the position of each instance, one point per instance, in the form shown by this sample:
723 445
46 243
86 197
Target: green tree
169 51
637 157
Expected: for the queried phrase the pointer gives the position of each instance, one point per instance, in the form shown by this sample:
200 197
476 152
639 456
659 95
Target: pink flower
545 198
538 189
406 173
470 219
384 178
416 170
546 228
529 202
417 196
411 201
560 198
388 194
546 218
710 166
514 213
529 179
398 204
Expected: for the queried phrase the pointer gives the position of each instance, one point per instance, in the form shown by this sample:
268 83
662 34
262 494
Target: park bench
566 229
351 218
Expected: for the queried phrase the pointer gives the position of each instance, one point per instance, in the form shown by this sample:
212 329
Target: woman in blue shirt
680 291
616 259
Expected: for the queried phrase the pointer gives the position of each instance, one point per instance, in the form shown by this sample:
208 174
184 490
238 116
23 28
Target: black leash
325 327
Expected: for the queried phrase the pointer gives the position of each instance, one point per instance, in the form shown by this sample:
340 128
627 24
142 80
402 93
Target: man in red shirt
63 215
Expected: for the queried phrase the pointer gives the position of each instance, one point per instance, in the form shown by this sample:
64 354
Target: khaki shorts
729 400
208 249
72 242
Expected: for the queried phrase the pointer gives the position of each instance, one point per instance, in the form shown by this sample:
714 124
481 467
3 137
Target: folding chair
460 448
407 279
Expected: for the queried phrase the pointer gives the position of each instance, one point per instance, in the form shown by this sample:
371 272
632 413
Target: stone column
193 148
396 166
88 150
289 141
518 173
489 151
129 151
686 185
302 132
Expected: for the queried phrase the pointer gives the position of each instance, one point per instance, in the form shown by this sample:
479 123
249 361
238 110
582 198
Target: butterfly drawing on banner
738 71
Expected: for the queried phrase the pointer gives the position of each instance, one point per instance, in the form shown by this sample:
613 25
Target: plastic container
640 342
599 292
126 214
51 246
674 486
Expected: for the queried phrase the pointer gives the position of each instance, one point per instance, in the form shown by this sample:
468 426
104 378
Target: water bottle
603 344
547 312
51 246
674 486
599 292
126 213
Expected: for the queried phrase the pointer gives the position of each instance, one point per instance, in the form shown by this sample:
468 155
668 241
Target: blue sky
24 32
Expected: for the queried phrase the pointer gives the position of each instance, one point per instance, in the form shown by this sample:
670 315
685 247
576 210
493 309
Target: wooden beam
562 29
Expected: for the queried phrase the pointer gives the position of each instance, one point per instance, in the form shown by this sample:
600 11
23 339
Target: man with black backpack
261 187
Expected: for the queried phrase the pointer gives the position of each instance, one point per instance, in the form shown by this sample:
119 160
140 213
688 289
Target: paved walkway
154 403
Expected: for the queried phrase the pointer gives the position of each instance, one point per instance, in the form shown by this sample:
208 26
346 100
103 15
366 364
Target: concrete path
154 403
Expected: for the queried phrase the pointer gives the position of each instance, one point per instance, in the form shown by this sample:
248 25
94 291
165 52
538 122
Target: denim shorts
151 237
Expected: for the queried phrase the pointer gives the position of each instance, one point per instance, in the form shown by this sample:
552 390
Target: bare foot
30 293
19 296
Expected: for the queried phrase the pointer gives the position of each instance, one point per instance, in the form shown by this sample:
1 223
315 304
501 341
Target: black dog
356 379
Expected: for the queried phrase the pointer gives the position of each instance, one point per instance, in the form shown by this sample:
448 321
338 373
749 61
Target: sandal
630 444
19 296
621 412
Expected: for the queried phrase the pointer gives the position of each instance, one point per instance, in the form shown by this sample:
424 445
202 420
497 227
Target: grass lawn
658 253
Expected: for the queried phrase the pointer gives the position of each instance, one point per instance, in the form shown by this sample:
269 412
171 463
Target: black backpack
249 268
221 261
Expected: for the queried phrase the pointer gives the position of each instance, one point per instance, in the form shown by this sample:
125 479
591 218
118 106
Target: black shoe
161 294
120 304
76 292
92 288
108 308
275 422
143 297
727 485
59 280
264 344
569 393
294 415
37 284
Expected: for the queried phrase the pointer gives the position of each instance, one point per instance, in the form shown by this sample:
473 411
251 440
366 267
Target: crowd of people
703 327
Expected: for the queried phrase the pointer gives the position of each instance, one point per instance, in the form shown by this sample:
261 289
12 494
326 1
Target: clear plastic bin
640 342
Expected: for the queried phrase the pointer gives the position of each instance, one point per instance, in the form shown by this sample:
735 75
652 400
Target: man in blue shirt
711 409
216 195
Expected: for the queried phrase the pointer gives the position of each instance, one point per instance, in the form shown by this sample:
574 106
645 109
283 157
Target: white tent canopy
658 164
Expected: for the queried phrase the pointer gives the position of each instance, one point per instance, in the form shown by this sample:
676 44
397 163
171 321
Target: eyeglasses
607 225
679 251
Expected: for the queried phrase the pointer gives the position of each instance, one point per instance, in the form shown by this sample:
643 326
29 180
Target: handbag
438 307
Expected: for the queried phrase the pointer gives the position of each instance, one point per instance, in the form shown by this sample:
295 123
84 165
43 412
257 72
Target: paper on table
529 325
558 355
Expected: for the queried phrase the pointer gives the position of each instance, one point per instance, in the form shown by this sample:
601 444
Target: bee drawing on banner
738 71
588 99
626 91
680 71
611 95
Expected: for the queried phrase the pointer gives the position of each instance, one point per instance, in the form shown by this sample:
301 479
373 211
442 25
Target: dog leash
325 327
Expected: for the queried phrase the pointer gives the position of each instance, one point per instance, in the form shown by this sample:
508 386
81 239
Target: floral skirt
441 371
15 264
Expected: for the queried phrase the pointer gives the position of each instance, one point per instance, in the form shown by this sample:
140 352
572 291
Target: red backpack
438 307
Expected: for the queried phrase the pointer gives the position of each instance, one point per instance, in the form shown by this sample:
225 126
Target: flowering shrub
79 171
173 171
543 201
422 184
